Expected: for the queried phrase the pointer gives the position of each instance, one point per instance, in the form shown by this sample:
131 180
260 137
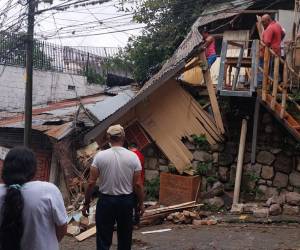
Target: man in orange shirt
273 33
272 37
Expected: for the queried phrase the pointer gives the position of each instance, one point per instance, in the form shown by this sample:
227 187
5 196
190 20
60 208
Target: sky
82 26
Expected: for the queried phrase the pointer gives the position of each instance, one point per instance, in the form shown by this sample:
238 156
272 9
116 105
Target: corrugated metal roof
100 106
102 110
227 6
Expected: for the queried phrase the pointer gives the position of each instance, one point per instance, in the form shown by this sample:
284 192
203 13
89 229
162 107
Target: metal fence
52 57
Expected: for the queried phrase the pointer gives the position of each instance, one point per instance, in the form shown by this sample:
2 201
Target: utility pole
29 73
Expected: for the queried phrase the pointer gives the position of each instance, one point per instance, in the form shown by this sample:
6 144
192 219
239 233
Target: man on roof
210 46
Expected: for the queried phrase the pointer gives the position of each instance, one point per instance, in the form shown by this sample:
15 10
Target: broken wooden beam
239 168
212 97
265 74
275 82
86 234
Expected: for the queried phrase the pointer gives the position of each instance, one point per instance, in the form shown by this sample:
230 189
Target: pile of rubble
185 217
286 203
191 217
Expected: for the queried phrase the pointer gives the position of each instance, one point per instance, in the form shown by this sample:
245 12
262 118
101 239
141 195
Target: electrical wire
98 34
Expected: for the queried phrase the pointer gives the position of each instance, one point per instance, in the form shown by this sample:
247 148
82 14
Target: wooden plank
241 93
285 123
284 90
290 69
266 74
163 209
239 169
254 133
212 97
170 210
238 68
236 37
173 105
254 66
86 234
260 27
235 44
275 82
222 65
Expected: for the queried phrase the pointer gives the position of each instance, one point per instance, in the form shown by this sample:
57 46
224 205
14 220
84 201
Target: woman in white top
33 216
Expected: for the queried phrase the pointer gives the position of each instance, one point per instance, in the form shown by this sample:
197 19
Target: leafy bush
203 168
211 179
152 189
252 177
201 142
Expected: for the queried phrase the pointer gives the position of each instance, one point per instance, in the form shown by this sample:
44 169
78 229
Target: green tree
167 22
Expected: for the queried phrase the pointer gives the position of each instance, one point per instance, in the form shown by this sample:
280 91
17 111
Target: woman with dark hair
33 215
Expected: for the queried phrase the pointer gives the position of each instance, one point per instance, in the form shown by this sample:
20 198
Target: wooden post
239 169
238 68
212 96
254 132
284 90
266 73
255 64
221 79
275 82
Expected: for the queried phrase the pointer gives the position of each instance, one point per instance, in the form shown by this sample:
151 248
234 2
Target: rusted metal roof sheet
172 67
58 132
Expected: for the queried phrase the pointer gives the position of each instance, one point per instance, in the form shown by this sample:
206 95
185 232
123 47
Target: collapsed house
168 113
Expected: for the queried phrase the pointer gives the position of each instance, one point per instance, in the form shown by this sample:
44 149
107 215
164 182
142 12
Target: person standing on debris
210 51
33 215
120 177
134 148
273 34
272 37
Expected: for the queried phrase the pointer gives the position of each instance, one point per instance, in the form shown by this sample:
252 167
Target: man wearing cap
120 177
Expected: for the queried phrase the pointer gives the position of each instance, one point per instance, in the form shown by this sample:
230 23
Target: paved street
219 237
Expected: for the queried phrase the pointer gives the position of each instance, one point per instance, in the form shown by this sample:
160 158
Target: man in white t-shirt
120 177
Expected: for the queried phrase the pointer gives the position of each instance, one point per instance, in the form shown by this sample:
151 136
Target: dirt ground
219 237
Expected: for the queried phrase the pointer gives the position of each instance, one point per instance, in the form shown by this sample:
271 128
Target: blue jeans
211 59
112 209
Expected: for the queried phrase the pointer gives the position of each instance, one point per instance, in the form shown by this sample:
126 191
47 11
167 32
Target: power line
97 34
68 5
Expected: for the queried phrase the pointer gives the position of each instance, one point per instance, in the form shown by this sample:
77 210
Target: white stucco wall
47 87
